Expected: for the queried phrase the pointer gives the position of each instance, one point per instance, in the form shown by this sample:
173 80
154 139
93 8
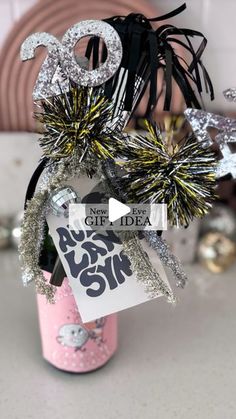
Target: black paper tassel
146 51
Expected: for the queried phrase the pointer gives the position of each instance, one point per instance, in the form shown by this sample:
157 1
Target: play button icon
116 209
101 213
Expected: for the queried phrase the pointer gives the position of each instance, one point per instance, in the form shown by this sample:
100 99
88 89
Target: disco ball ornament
16 229
220 219
60 200
216 252
5 233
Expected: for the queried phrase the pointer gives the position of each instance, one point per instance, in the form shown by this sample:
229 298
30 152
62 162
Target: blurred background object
217 244
216 251
16 229
220 219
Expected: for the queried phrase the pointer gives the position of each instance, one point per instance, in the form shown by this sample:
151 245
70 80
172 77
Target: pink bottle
67 343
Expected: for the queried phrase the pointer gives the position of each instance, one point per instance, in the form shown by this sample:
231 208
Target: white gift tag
99 272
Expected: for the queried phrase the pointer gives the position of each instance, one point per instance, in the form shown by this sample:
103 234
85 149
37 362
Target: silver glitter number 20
44 86
61 58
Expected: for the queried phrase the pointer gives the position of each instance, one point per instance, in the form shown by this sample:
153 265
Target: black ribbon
145 48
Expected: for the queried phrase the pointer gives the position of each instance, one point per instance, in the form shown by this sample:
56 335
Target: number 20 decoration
61 58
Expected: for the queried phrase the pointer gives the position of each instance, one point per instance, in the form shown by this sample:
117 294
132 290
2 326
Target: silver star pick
230 94
228 163
201 120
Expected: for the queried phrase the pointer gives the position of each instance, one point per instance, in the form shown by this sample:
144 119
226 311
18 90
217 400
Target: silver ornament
230 94
60 200
16 229
216 252
221 219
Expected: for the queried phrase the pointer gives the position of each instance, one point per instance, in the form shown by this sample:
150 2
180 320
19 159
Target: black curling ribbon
155 49
133 61
154 64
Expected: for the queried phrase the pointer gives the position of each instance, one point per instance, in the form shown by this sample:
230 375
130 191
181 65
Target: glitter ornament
220 219
61 199
16 229
230 94
216 252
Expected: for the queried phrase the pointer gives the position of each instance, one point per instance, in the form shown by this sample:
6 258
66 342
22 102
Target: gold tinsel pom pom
181 175
76 125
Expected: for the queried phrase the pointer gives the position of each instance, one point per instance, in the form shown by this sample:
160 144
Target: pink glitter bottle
67 343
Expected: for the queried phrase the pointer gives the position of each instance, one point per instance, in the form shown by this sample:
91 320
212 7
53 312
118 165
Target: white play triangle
117 209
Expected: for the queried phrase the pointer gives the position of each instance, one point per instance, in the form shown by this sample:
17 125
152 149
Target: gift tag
99 272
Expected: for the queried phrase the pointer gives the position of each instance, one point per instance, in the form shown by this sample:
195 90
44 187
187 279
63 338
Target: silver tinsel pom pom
60 200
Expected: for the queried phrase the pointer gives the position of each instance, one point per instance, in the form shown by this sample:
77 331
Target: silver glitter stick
201 120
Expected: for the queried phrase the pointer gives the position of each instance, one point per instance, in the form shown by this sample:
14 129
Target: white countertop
175 363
